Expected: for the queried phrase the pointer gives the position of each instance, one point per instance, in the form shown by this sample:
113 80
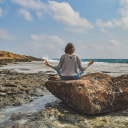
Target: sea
112 67
125 61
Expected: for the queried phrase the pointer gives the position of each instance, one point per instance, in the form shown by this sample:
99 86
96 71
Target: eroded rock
93 93
19 88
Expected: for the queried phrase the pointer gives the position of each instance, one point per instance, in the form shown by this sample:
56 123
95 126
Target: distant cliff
9 57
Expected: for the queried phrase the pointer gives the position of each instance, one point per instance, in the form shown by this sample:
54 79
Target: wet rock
18 116
2 94
19 88
60 115
15 126
105 72
37 92
93 93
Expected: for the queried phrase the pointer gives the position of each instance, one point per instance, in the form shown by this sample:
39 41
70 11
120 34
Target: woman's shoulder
72 55
76 56
62 56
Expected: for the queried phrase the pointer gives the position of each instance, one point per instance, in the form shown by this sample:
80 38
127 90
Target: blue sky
41 28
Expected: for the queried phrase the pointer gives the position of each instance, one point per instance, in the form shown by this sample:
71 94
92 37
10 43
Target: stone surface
93 93
56 114
60 115
19 88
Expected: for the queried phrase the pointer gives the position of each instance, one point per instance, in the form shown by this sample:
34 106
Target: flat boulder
93 93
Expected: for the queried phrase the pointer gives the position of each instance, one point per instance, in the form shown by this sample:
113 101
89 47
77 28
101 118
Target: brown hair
69 49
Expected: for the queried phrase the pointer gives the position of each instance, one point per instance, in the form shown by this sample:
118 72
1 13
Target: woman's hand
47 63
91 62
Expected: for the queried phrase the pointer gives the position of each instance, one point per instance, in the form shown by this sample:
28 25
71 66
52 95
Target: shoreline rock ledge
93 93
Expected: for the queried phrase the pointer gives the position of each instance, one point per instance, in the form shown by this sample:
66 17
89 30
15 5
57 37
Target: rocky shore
19 88
59 115
8 57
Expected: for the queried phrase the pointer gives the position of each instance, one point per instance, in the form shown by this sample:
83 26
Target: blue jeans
70 77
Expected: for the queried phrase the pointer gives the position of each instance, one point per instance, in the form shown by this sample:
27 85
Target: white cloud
26 14
124 8
114 43
64 13
108 24
31 4
124 3
1 12
123 21
47 45
5 34
116 22
124 12
47 39
61 12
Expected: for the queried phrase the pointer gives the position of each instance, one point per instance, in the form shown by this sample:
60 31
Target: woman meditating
69 67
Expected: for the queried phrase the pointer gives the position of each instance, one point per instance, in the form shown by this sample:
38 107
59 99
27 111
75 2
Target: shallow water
33 107
113 69
27 67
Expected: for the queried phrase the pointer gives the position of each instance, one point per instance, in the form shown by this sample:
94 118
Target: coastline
45 110
8 57
26 88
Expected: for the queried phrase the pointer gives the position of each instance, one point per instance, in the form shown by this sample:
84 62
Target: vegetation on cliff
9 57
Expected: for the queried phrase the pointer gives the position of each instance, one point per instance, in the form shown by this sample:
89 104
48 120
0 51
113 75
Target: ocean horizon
123 61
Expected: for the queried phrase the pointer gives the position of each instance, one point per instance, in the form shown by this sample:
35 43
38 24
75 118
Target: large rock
93 93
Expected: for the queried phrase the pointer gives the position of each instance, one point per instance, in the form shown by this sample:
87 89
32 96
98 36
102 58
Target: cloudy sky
97 28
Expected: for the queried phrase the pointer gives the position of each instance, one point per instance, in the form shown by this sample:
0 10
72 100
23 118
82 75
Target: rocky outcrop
93 93
8 57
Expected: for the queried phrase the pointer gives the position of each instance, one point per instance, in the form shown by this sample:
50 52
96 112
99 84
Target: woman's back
69 65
